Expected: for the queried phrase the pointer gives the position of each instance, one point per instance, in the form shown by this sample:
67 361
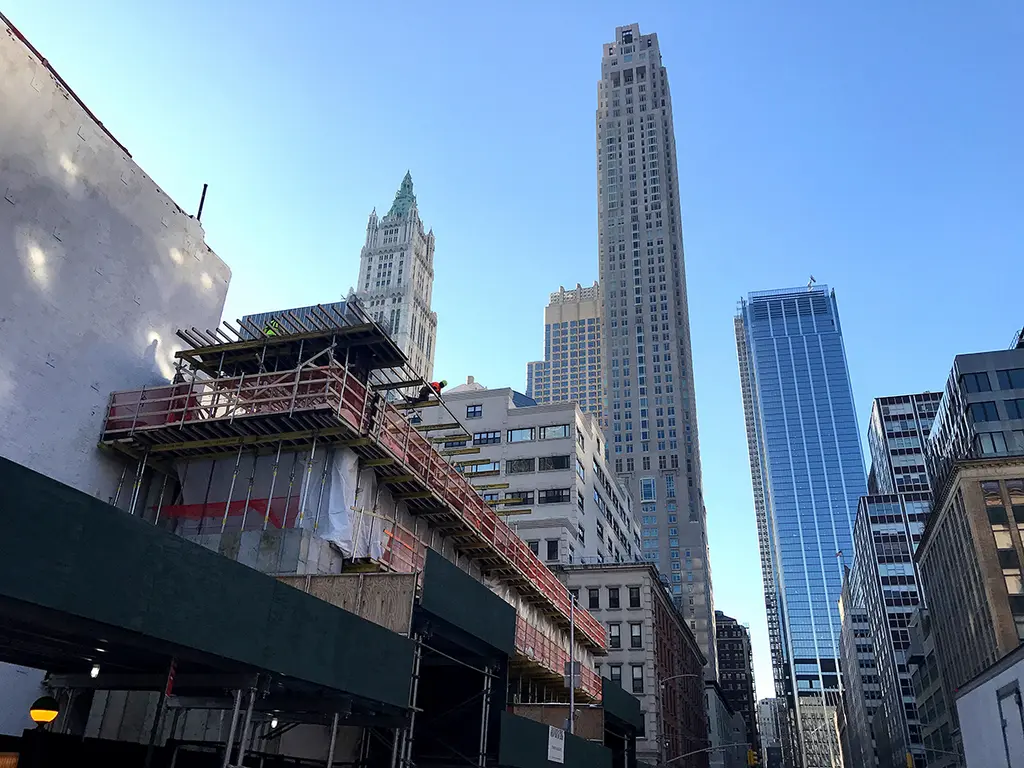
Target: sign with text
556 745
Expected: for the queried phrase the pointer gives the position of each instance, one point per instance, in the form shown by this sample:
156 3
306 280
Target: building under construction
285 453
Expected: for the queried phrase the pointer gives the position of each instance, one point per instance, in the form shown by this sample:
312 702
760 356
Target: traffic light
752 757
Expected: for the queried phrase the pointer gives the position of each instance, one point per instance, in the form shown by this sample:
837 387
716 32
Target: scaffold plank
437 427
391 479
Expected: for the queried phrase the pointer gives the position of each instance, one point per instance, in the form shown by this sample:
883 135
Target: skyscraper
651 417
396 278
802 434
571 368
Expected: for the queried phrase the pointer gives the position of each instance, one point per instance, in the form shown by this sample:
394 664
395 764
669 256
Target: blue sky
875 145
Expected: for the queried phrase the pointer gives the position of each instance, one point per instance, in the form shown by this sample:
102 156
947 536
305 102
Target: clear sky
875 145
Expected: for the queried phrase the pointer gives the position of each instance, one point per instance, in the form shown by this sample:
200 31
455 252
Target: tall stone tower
650 410
396 278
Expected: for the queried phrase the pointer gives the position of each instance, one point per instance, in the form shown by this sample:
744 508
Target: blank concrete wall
98 268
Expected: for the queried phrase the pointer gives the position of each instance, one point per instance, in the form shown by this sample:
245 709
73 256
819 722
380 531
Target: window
634 597
486 438
474 411
575 595
489 496
553 496
520 435
1014 408
615 673
636 639
648 489
484 467
1012 379
534 547
518 466
552 432
613 597
990 443
455 444
638 677
614 636
552 549
521 497
593 599
984 411
548 463
978 382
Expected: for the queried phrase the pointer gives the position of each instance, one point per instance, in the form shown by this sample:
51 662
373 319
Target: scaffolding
329 380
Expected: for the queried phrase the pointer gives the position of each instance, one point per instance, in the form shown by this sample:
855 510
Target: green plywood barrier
453 595
524 744
69 552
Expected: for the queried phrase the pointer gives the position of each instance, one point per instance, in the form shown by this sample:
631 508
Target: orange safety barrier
530 642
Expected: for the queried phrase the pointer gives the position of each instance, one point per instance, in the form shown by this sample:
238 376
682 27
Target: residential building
935 711
991 713
808 474
396 278
571 368
736 672
772 724
861 690
726 728
652 653
99 269
969 555
648 367
543 469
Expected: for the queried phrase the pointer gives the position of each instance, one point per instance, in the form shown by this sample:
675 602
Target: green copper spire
405 199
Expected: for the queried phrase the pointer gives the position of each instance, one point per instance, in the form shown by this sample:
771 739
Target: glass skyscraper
808 473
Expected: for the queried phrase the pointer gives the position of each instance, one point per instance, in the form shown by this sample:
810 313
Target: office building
571 368
934 709
970 553
396 278
885 581
736 672
897 433
802 434
647 358
886 533
542 468
727 729
861 690
98 269
652 653
772 725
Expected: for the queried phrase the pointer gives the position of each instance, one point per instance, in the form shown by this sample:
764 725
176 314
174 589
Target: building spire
404 198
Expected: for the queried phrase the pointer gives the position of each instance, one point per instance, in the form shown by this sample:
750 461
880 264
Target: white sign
556 745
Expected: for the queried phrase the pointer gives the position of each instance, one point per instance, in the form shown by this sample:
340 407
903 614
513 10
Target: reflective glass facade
810 476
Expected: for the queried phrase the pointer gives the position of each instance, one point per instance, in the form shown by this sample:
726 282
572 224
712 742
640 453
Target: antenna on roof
811 282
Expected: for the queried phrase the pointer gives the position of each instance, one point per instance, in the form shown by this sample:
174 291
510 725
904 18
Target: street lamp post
706 749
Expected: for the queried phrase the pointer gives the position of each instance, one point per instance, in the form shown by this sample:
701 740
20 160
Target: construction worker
271 328
433 388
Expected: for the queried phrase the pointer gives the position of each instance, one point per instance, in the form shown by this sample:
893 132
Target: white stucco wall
98 268
992 716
